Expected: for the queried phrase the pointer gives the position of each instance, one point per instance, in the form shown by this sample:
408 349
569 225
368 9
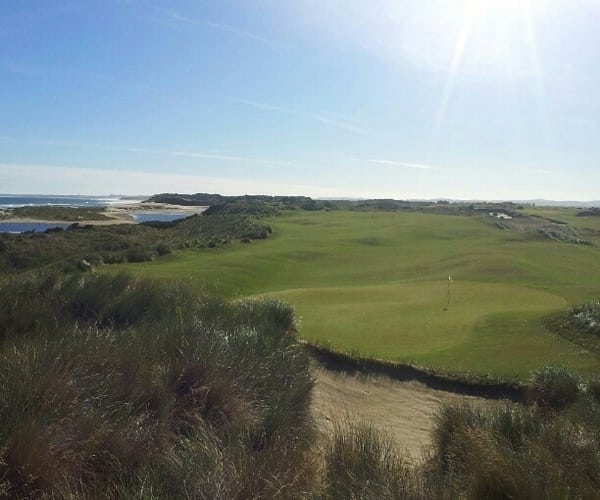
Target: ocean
14 201
162 217
24 200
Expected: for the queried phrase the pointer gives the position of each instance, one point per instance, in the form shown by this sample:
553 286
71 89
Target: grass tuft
125 386
361 462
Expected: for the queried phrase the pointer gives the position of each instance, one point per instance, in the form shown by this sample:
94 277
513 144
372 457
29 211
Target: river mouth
158 217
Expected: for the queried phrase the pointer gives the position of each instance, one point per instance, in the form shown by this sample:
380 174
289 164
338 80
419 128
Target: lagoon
159 217
24 200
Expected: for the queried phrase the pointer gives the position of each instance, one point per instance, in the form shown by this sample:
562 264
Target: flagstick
448 303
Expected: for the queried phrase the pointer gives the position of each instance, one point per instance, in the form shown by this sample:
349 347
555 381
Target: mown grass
376 283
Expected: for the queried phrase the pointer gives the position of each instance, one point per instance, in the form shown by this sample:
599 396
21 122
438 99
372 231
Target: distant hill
305 202
575 204
246 204
198 199
538 202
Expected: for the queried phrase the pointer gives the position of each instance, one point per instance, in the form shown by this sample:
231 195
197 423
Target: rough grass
580 325
376 283
587 226
362 462
515 452
116 387
111 244
492 452
57 213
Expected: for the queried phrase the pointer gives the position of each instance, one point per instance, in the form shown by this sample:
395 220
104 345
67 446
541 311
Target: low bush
124 242
135 255
513 452
162 249
554 386
580 324
361 462
586 318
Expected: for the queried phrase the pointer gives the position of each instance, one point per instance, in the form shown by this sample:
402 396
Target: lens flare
488 30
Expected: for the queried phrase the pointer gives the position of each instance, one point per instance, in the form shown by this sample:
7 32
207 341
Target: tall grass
362 462
519 451
119 387
116 387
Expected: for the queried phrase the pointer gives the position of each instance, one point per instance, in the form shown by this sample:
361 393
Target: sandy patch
120 214
405 410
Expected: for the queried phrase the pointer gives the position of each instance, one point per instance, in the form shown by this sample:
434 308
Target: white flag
449 278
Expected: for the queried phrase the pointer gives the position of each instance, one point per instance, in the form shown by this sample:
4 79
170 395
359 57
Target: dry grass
137 387
112 387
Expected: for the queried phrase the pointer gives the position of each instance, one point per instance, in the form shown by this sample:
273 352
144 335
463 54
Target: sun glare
486 5
496 39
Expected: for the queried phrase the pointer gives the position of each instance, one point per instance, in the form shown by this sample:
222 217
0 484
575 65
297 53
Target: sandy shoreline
118 213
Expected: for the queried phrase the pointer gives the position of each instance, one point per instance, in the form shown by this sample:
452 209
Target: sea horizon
9 200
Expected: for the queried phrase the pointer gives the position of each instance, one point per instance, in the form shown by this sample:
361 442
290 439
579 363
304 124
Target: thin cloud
226 28
343 125
395 163
52 179
167 152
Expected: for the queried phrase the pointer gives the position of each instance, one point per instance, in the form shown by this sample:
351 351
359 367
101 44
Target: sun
496 39
486 5
499 37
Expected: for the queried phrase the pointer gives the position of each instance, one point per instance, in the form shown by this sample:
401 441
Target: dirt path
405 410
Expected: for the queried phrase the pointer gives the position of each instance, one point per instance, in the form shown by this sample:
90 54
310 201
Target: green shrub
554 386
256 233
114 258
269 313
515 424
134 255
587 318
162 249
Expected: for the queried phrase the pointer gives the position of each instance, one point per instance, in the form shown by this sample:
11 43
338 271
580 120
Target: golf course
376 284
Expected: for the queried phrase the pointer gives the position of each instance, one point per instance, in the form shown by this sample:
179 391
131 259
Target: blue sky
485 99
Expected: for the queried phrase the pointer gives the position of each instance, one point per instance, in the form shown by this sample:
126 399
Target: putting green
376 284
411 322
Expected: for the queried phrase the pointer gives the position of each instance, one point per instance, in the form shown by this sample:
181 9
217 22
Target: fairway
375 283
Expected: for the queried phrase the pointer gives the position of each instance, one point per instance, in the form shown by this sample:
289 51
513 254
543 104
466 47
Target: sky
405 99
